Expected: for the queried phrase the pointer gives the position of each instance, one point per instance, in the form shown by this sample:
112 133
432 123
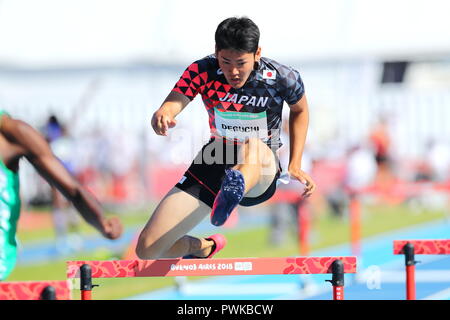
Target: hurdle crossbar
209 267
86 270
411 247
36 290
424 246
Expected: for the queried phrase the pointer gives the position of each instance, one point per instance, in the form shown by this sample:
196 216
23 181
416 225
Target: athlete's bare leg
257 165
164 235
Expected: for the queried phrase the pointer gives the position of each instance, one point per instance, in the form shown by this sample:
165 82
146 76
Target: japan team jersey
255 110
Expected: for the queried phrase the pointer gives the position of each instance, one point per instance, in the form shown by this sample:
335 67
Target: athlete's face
236 65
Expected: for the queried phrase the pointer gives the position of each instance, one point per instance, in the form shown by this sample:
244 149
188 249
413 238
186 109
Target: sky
49 33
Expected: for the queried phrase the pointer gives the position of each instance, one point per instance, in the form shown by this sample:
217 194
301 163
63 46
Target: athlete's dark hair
240 34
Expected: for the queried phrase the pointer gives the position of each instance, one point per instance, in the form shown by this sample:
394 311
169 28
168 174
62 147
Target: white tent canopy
49 33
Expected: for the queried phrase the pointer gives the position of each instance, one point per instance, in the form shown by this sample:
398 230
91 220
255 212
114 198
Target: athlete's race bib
241 125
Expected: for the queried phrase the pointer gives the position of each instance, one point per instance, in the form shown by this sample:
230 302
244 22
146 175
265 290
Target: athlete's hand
304 178
112 228
161 122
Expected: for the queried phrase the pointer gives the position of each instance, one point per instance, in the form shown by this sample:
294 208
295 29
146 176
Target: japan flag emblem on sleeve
269 74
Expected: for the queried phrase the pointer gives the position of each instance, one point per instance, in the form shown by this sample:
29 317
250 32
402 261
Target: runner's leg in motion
251 177
165 234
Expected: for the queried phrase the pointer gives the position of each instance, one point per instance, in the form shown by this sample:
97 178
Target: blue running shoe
229 196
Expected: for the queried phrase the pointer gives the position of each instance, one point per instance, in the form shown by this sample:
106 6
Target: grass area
253 242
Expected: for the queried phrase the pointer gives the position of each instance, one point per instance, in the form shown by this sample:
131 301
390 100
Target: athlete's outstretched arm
298 128
164 117
38 152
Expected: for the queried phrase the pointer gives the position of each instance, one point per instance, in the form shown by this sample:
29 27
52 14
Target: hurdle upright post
337 280
410 248
410 265
48 293
86 282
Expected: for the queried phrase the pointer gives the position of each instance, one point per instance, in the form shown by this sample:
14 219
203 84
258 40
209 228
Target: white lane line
431 276
441 295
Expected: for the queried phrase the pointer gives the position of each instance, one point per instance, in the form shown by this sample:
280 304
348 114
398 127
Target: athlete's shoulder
196 76
286 79
281 70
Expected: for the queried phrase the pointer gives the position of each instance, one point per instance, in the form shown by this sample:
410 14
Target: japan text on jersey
253 110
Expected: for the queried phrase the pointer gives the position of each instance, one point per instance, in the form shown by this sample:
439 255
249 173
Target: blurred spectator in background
422 171
361 168
65 220
19 140
359 171
93 156
122 160
433 169
439 160
380 140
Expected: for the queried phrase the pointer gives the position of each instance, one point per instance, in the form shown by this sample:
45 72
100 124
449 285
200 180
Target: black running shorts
203 178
